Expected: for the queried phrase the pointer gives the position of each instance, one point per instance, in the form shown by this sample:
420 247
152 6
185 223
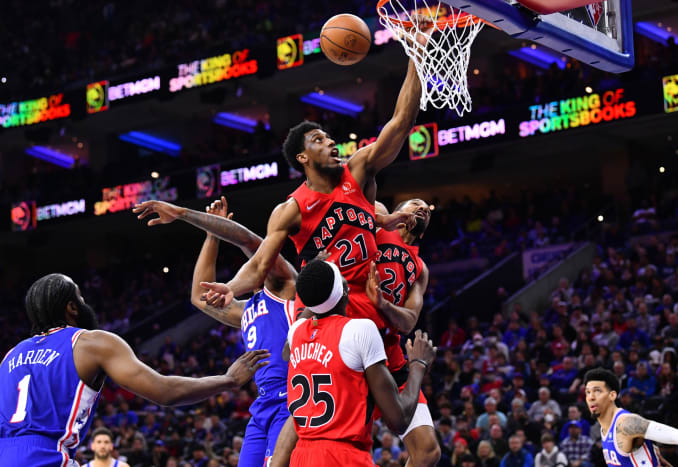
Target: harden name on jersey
32 357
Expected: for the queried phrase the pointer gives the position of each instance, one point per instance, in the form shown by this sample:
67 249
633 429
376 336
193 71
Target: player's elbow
397 421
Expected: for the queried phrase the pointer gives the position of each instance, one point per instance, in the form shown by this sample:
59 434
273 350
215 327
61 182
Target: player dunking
102 446
339 363
397 285
627 437
332 210
51 382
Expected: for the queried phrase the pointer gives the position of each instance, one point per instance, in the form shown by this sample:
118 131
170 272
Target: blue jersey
644 456
264 325
45 409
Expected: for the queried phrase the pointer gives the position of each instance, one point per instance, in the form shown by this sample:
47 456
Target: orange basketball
345 39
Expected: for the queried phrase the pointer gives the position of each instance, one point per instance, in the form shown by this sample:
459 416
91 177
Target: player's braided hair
294 143
314 283
601 374
46 302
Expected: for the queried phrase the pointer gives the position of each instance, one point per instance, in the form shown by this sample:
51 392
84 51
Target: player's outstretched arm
222 227
405 317
633 426
285 219
397 409
97 351
373 158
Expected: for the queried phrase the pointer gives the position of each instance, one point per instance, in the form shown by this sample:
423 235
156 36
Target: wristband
423 362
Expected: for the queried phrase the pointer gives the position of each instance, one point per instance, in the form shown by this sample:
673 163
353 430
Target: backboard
600 34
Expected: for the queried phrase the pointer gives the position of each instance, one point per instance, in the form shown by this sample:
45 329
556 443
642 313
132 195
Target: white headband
335 296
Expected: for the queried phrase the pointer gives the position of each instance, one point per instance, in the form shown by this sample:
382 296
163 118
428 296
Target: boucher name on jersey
337 216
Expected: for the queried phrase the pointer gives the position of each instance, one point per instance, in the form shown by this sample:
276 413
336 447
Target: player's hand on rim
422 351
166 212
246 365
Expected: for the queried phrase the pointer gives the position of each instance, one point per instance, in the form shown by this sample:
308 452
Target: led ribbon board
670 84
249 174
124 197
26 113
213 70
575 112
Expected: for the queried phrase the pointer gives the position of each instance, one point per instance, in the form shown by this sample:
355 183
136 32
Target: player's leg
287 439
253 448
420 439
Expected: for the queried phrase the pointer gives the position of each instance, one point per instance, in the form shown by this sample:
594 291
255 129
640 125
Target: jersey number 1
20 413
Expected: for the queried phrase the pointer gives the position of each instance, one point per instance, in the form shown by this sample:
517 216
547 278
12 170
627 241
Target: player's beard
419 226
87 318
334 172
106 456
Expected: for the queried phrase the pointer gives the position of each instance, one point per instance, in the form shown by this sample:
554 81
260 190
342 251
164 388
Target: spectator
517 455
486 455
577 447
607 336
574 415
388 446
497 441
549 456
482 422
643 384
563 377
633 334
536 412
460 450
453 337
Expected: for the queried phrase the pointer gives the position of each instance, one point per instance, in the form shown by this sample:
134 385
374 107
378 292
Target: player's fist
166 212
421 349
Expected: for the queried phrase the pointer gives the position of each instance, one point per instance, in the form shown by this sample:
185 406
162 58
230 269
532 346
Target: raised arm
222 227
397 409
632 426
405 317
97 351
205 271
285 219
369 160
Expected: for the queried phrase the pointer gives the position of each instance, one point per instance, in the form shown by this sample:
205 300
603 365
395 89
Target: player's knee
427 454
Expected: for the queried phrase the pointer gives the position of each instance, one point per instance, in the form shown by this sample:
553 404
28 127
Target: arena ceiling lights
51 156
538 57
655 31
153 143
334 104
237 122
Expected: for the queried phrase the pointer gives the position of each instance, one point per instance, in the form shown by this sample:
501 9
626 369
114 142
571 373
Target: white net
441 63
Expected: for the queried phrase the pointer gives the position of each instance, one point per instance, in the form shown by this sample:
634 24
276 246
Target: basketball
345 39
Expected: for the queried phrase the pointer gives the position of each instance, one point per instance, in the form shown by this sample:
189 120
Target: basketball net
441 63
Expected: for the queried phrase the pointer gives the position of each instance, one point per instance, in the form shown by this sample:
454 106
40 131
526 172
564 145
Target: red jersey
399 267
328 400
341 222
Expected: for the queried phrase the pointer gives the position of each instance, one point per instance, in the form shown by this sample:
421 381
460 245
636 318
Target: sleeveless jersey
329 400
42 395
399 267
341 222
644 456
264 325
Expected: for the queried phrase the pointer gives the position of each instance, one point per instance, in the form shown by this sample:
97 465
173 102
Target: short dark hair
315 282
46 301
294 143
601 374
102 430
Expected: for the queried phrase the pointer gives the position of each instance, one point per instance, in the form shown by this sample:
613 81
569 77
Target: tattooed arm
205 270
632 426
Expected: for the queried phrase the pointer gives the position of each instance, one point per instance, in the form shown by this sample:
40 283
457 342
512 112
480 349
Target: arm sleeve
292 329
360 345
661 433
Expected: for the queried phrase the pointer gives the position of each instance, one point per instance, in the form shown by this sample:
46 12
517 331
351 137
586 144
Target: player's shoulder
360 327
